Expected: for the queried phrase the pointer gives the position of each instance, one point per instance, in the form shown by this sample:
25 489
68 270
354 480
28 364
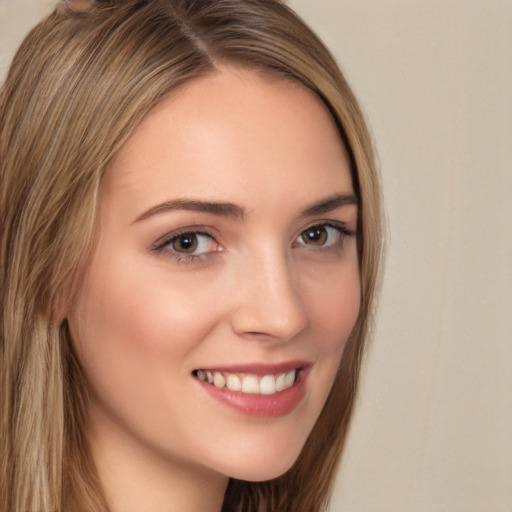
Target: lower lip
261 406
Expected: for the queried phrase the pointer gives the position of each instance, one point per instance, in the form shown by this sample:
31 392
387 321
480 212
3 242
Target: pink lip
262 406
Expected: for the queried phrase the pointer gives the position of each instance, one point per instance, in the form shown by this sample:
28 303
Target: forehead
229 133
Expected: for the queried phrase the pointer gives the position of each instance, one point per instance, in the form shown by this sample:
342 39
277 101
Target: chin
266 473
263 465
263 472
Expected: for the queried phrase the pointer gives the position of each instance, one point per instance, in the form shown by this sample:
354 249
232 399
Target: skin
258 293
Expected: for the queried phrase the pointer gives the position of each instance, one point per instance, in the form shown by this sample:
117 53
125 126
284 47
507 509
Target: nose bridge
270 302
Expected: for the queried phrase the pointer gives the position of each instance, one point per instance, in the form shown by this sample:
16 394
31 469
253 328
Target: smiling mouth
249 383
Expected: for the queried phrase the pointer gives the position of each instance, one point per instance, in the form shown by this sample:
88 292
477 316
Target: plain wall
433 427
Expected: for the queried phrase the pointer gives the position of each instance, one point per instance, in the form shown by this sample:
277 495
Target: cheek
134 336
137 306
129 326
334 304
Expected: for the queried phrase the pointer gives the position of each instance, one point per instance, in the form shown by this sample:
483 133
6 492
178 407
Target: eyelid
161 246
336 224
339 226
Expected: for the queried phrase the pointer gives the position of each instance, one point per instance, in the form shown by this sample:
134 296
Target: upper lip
259 368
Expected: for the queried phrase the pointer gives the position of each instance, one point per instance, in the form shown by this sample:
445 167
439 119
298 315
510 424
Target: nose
268 304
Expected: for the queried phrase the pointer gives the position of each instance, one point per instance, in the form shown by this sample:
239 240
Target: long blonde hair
78 86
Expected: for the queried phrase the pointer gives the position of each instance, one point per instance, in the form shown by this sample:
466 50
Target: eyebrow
213 207
329 204
238 212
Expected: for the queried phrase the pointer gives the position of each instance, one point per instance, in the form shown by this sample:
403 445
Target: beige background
433 429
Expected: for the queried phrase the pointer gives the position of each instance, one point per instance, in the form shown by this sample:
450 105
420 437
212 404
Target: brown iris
187 243
316 235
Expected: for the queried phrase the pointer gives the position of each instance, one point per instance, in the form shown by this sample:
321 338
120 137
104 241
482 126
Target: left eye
321 235
192 243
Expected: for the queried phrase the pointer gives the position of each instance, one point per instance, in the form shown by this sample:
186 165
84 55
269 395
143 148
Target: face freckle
237 162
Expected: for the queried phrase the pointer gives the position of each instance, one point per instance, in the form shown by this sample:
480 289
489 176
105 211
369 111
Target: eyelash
339 227
163 245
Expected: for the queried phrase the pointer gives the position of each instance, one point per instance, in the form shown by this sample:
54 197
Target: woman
190 243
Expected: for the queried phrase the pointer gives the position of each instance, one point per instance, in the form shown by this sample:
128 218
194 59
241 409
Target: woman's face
226 252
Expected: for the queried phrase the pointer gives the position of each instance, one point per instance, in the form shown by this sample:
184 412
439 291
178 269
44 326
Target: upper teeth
249 383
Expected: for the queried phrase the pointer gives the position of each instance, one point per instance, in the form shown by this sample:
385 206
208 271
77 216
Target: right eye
191 243
187 245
